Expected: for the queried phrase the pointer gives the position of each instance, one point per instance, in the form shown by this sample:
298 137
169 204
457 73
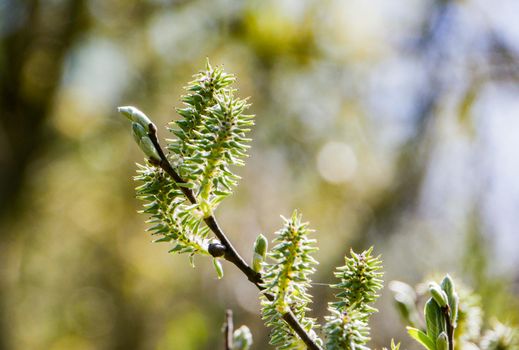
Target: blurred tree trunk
36 38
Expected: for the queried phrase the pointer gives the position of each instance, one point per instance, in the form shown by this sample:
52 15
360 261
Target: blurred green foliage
386 124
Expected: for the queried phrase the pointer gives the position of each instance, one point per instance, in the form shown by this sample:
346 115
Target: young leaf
421 338
405 300
438 294
434 319
393 346
452 296
218 267
260 252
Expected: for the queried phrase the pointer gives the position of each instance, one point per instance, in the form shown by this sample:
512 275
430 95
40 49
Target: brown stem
228 330
292 321
166 166
450 328
230 254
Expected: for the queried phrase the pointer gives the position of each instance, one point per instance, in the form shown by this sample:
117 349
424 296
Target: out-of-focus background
393 124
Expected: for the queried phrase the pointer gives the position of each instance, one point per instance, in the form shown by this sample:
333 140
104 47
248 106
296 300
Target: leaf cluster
210 137
287 281
457 310
360 279
169 213
209 140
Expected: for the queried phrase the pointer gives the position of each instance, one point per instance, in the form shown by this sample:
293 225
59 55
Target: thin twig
166 166
228 330
231 254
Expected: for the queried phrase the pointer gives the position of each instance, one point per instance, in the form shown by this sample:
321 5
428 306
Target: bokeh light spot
336 162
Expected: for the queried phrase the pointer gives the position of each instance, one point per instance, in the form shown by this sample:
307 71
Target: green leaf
434 319
186 184
421 337
405 301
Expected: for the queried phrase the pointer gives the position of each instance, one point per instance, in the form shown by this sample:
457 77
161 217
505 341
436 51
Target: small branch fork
230 254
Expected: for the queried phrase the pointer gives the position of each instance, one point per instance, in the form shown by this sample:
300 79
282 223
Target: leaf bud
138 132
242 338
216 249
447 284
438 294
149 148
442 342
448 287
218 267
136 116
260 252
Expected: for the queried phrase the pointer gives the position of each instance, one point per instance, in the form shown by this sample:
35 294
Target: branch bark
231 254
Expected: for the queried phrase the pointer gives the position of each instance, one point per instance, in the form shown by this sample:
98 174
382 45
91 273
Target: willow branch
230 253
